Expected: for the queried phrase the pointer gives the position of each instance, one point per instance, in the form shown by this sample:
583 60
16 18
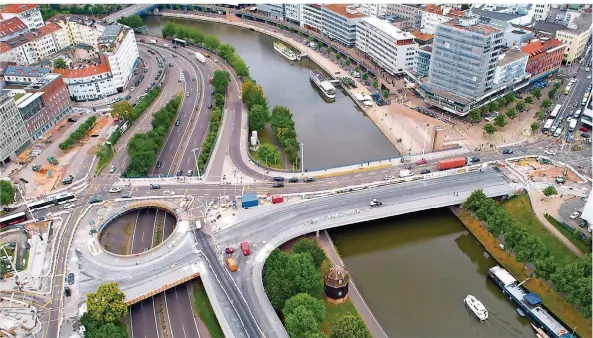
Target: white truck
405 173
200 57
572 125
153 41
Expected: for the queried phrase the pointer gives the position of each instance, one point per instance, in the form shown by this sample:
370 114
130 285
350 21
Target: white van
405 173
198 225
557 132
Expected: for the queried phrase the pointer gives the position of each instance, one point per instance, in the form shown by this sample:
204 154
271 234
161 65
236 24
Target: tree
277 286
302 270
109 330
549 191
365 76
212 42
319 44
520 106
107 304
500 120
134 21
529 100
317 335
534 126
510 97
537 93
122 109
545 267
475 115
552 93
350 327
512 113
489 128
540 115
375 84
306 245
502 102
252 94
386 93
218 100
492 106
221 80
60 63
258 115
268 154
546 103
6 192
556 85
301 323
316 306
226 51
464 7
168 30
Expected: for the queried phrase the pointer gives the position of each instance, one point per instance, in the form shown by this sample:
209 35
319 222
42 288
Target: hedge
79 134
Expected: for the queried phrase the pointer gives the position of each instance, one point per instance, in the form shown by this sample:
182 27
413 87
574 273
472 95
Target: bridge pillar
317 233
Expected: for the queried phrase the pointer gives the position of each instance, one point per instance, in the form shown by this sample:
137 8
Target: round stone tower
336 282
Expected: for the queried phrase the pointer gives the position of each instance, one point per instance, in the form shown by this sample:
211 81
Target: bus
41 204
51 201
180 42
13 219
547 125
555 111
567 90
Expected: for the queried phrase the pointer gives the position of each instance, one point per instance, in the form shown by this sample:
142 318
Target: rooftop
11 26
476 28
27 99
583 23
26 71
110 34
512 56
536 46
444 10
388 28
418 35
83 72
17 9
496 15
426 48
29 36
78 18
347 11
548 27
43 81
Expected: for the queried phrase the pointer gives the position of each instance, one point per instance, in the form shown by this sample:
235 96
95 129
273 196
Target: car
177 123
559 180
190 173
584 129
169 192
210 106
585 135
154 186
279 179
574 215
179 172
388 177
158 164
74 120
550 152
375 203
475 159
69 206
115 189
583 223
293 180
421 161
186 94
112 169
278 185
175 55
193 79
576 104
70 278
127 195
309 179
132 89
128 97
170 64
507 151
229 250
95 199
425 171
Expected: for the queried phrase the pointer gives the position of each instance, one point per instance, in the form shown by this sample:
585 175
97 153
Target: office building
545 57
422 61
390 47
410 13
511 65
339 23
23 75
541 11
575 37
311 17
292 13
375 10
29 14
14 137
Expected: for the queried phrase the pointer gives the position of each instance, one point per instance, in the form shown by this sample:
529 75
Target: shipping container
277 199
245 248
249 201
231 264
451 163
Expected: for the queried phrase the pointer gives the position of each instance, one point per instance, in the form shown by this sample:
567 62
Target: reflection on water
414 272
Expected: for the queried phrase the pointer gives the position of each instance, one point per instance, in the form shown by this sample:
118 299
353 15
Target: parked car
279 179
179 172
583 223
155 186
475 159
293 180
114 189
229 250
574 215
425 171
309 179
70 278
278 185
585 135
507 151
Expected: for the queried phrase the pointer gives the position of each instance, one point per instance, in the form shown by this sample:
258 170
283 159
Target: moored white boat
285 51
476 307
323 84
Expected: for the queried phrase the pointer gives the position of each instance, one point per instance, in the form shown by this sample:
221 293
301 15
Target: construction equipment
52 160
36 167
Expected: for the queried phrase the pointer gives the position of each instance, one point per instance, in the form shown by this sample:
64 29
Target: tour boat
323 84
476 307
285 51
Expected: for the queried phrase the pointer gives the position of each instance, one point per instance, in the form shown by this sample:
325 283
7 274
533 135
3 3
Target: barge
530 303
323 84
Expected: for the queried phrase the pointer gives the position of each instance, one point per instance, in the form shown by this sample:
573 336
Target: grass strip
567 233
204 310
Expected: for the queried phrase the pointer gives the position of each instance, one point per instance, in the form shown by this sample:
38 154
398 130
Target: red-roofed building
545 56
31 47
339 22
11 28
432 15
29 14
89 82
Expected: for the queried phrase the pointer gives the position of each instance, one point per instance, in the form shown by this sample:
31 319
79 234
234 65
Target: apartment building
375 10
275 11
410 13
292 13
575 37
541 11
31 47
339 23
11 28
23 75
89 82
311 17
14 137
511 66
118 45
390 47
79 29
545 56
432 15
29 14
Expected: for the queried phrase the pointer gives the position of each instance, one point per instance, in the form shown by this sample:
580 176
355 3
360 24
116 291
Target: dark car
507 151
583 224
70 278
179 172
128 97
95 199
154 186
210 106
158 165
170 64
127 195
475 159
309 179
279 179
293 180
425 171
177 122
71 119
585 135
229 250
193 79
278 185
583 237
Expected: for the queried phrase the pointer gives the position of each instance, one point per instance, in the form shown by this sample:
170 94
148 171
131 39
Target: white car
589 77
388 177
115 189
132 89
168 192
574 215
590 228
69 206
550 152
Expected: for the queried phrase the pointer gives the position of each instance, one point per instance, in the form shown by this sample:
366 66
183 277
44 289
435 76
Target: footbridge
129 11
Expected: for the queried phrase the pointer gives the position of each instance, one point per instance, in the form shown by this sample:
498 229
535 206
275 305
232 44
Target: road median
351 171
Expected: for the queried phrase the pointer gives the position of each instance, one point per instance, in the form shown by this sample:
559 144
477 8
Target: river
333 134
414 272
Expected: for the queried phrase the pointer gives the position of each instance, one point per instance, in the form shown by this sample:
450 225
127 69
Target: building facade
20 75
31 47
29 14
575 40
545 56
292 13
375 10
411 13
89 83
541 11
14 137
390 47
432 15
275 11
11 28
118 44
339 22
511 65
422 61
79 29
311 17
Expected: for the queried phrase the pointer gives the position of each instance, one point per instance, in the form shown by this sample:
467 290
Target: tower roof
336 277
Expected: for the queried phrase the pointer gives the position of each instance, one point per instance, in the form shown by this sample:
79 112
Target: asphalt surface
143 319
144 227
180 314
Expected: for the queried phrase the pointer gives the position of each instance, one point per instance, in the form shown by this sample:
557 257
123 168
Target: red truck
245 248
451 163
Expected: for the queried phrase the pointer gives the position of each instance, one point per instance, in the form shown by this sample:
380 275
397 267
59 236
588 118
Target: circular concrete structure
137 228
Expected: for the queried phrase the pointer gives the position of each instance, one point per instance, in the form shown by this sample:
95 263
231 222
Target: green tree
134 21
319 44
258 115
502 102
6 192
316 306
540 115
365 76
537 93
302 270
240 66
277 286
512 113
529 100
492 106
221 80
489 128
306 245
484 109
107 304
122 109
226 51
552 93
549 191
534 126
386 93
218 100
317 335
475 115
375 84
546 103
60 63
545 267
268 154
520 106
531 248
301 323
168 30
350 327
252 94
500 120
510 97
109 330
212 42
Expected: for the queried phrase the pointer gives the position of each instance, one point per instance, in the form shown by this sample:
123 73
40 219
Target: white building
511 66
275 11
541 11
29 14
80 29
118 44
11 28
411 13
375 10
389 46
339 23
14 137
292 12
88 83
432 15
311 17
32 47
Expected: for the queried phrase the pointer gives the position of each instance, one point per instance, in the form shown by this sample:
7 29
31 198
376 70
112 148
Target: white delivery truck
200 57
572 125
153 41
405 173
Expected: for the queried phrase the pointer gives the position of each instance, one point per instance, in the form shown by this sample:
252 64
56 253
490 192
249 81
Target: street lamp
424 143
302 159
196 159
